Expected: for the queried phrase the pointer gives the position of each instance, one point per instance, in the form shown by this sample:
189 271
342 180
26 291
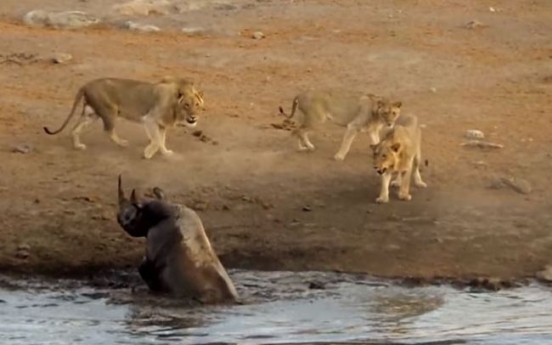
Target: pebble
545 275
141 27
23 148
519 185
258 35
193 31
474 24
474 134
62 58
60 20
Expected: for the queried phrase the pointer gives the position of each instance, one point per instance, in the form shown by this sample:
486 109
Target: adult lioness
179 259
399 153
356 111
167 103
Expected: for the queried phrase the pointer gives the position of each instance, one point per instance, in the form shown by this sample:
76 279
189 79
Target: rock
258 35
60 20
474 24
62 58
141 27
482 144
316 286
23 148
474 134
197 133
545 275
519 185
190 6
23 251
434 90
492 9
193 31
225 7
307 209
143 7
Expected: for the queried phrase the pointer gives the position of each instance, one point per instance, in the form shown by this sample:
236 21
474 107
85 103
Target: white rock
474 134
141 27
59 20
143 7
193 31
62 58
258 35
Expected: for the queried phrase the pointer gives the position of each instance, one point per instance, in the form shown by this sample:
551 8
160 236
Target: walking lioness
167 103
356 111
399 153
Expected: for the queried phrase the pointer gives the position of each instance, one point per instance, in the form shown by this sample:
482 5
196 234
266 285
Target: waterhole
278 307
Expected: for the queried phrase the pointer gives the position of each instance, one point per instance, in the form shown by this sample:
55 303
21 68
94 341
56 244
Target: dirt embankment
266 206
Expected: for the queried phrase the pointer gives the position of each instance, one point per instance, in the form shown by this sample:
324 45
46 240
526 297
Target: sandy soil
265 205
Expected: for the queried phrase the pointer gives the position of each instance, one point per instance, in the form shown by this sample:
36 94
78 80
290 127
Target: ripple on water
279 308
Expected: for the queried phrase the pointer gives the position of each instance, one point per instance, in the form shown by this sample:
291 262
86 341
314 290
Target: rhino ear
134 199
159 193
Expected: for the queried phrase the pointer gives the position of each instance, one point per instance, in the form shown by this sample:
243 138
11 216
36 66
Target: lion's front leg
347 141
384 191
404 191
163 138
152 131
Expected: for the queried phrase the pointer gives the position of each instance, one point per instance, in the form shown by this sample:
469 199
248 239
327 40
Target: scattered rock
23 251
258 35
482 144
474 24
434 90
545 275
199 205
193 31
226 7
492 9
317 286
23 148
62 58
519 185
60 20
307 209
143 7
474 134
190 6
197 133
141 27
489 284
19 58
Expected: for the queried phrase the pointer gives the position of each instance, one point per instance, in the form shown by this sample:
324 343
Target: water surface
279 307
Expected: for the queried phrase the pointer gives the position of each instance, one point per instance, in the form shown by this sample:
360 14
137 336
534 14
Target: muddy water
278 307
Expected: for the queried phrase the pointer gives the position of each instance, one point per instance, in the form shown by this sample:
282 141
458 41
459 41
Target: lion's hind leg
350 135
418 182
88 116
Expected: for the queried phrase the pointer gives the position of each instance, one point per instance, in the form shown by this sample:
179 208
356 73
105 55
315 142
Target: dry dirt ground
265 205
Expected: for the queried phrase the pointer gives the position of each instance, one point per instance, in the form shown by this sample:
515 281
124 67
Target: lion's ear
396 147
373 146
397 104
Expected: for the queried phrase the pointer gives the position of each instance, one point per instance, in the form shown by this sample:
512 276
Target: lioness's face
386 156
389 112
191 103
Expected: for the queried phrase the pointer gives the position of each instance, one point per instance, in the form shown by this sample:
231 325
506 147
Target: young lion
170 102
356 111
399 153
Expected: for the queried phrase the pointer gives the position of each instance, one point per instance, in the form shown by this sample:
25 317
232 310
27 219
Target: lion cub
399 153
356 111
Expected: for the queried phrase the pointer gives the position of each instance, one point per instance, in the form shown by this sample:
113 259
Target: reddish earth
265 205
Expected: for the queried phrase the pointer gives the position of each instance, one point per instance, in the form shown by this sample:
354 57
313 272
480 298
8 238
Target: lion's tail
293 108
78 97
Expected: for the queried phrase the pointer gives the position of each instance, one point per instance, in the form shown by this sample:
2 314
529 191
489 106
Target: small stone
62 58
23 251
519 185
474 134
307 209
193 31
197 133
316 286
545 275
141 27
60 20
492 9
258 35
23 148
474 24
433 89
